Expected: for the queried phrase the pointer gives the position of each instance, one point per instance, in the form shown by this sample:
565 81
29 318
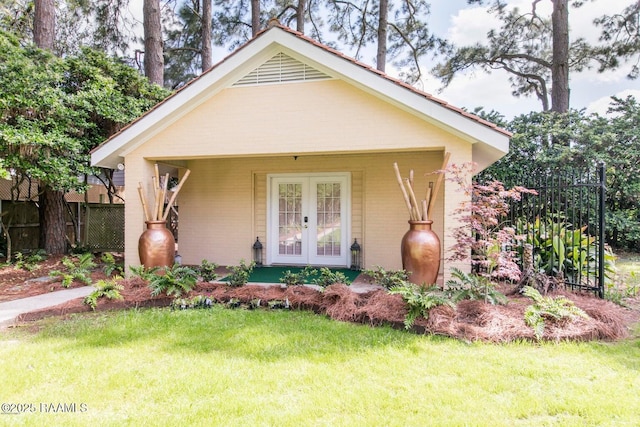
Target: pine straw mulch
469 321
18 283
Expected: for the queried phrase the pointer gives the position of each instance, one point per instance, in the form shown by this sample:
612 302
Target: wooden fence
94 226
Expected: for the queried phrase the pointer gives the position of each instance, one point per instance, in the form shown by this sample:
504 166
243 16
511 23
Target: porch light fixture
356 256
257 252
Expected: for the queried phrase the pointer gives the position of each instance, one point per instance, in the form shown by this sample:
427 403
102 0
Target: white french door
308 219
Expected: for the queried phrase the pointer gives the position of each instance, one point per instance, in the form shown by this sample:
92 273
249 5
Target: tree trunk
255 17
560 62
53 226
51 207
153 57
300 15
44 23
381 57
206 35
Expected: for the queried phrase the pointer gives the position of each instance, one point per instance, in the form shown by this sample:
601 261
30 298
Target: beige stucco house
292 142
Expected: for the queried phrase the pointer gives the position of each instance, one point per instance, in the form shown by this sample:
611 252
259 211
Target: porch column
453 198
138 170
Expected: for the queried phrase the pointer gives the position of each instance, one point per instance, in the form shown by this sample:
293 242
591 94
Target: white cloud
471 24
601 105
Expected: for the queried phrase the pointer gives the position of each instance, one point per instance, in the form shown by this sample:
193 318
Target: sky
463 25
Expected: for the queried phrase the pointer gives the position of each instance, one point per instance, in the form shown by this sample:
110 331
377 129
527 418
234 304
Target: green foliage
472 287
29 261
562 250
197 302
207 271
613 138
142 272
556 309
328 277
240 273
76 269
277 304
620 293
56 109
295 279
109 289
174 281
420 299
387 278
109 264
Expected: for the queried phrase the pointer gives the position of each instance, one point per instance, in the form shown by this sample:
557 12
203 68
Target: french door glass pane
328 214
289 219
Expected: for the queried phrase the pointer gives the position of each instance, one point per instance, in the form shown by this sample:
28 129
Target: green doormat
273 274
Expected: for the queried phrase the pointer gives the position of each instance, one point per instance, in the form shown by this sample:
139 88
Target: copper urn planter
156 245
420 251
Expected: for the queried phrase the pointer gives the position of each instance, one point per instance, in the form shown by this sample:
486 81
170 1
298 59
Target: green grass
291 368
628 266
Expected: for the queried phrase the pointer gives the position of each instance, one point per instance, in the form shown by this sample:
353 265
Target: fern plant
109 265
109 289
557 308
142 272
29 262
174 281
420 300
473 287
79 270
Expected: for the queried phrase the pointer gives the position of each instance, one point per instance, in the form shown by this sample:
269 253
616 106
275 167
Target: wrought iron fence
565 224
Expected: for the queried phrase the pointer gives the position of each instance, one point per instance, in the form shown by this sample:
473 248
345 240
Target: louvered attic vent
281 68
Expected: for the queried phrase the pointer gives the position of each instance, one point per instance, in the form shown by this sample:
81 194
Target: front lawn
294 368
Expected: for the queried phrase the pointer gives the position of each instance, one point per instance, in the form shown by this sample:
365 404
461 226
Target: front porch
228 202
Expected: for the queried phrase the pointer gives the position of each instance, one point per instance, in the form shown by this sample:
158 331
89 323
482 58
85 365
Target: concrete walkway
10 310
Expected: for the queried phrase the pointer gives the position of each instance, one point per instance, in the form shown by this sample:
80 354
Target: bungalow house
292 142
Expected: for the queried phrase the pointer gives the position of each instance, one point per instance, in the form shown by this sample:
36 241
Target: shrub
557 308
420 299
198 301
561 250
387 278
174 281
207 271
240 273
296 279
483 233
109 289
473 287
328 277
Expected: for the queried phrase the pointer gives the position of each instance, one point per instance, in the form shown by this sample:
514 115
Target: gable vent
279 69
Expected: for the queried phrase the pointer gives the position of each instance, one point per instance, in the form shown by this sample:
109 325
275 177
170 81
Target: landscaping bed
470 320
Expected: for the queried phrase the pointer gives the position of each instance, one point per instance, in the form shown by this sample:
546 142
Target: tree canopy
55 110
613 139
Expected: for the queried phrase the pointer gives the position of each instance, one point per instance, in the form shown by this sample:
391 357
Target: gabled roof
489 141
